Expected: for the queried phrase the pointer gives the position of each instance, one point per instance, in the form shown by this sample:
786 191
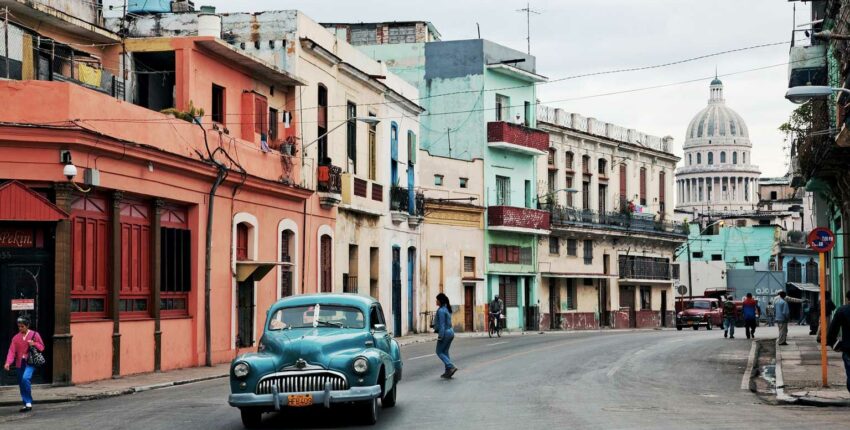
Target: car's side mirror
379 327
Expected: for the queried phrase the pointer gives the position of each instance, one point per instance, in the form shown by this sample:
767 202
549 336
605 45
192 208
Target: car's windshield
698 305
328 316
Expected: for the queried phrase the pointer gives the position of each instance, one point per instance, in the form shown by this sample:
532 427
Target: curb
786 399
116 393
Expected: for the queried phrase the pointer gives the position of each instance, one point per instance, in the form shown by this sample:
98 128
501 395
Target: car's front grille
299 382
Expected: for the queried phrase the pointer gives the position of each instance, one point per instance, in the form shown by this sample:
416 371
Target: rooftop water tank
209 25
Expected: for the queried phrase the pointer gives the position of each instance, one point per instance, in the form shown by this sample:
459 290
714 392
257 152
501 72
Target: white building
716 175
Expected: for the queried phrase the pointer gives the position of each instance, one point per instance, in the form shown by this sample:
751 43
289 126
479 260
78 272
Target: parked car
319 349
700 312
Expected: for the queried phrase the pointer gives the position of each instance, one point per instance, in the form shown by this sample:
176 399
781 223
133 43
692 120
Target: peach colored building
116 266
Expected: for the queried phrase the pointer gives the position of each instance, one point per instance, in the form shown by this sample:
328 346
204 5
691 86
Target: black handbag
34 357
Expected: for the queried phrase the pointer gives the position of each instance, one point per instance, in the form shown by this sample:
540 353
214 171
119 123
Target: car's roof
324 299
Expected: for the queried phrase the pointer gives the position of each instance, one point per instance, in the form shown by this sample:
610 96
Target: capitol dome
716 175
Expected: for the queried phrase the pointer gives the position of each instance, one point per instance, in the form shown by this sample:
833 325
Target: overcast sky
571 37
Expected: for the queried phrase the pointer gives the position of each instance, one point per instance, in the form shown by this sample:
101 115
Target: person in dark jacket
445 334
841 322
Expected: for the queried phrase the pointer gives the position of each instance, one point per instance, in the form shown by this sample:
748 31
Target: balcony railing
400 201
517 138
329 179
645 268
518 219
564 217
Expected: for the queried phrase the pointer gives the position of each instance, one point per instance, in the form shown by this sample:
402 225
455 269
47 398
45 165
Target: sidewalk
798 372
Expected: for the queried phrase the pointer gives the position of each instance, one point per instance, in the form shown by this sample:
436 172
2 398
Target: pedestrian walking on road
445 334
841 322
750 309
729 318
783 314
19 354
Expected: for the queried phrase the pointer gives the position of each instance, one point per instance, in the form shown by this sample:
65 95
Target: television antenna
528 11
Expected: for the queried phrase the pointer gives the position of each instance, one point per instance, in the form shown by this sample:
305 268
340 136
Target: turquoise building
739 247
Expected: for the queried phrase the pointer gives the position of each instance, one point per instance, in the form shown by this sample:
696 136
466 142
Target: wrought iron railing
330 179
644 268
400 201
565 216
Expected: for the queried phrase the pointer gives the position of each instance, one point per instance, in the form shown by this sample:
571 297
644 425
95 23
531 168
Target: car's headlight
361 365
241 370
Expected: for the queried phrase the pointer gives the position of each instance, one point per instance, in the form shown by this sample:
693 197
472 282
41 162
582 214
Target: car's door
381 336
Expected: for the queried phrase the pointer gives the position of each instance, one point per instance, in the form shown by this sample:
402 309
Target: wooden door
627 302
469 307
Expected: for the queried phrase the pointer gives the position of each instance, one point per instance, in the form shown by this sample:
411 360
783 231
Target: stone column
115 284
62 267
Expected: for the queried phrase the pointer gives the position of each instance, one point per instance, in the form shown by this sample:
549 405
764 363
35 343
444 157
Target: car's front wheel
678 327
696 326
388 400
369 411
251 418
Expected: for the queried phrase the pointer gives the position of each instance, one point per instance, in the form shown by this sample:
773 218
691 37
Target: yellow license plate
690 323
300 400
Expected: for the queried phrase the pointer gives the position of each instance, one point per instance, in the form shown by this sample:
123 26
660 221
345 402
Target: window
585 195
722 157
463 182
572 296
326 249
261 114
322 125
734 158
569 184
273 124
585 164
603 199
643 186
551 182
554 245
438 180
373 150
662 191
624 197
503 191
503 108
795 271
469 265
568 160
773 195
572 246
710 158
528 194
351 136
411 147
743 158
176 266
699 158
812 273
242 242
697 254
716 257
508 291
588 252
89 251
690 159
527 121
751 260
218 104
645 298
135 291
506 254
675 271
286 247
551 157
602 166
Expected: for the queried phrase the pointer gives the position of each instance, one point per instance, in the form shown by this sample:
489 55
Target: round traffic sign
821 239
682 289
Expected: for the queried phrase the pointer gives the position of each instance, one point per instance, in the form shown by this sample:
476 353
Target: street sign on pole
682 289
822 240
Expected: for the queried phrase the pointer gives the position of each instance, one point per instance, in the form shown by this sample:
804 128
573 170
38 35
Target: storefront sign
16 238
23 304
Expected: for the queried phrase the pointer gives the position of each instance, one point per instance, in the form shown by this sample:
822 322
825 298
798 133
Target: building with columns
716 175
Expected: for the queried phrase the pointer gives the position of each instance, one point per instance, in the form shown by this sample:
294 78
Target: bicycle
495 327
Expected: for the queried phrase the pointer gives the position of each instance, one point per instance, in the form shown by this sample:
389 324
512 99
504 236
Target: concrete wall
734 243
706 274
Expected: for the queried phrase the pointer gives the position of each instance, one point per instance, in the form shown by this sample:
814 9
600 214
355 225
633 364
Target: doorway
245 313
664 308
469 307
531 322
627 302
554 303
411 278
26 289
396 285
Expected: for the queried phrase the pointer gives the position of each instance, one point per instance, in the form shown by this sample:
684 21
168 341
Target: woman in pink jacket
18 351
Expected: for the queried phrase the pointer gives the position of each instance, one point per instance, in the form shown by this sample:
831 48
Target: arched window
568 160
699 157
722 157
734 158
743 158
551 160
603 167
690 159
812 272
795 271
287 249
710 158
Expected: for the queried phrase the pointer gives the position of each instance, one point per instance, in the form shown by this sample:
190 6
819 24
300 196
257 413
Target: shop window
89 253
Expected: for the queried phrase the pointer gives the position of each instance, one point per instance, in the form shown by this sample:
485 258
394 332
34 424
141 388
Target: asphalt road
605 380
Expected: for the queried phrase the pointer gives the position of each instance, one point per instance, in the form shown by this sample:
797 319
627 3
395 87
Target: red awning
19 203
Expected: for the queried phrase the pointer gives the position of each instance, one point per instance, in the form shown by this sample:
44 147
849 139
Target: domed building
716 176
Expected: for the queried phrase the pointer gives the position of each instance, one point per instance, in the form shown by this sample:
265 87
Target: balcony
517 138
400 206
807 65
645 268
329 185
518 220
362 196
565 217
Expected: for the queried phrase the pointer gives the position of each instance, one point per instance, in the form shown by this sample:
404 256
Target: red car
700 312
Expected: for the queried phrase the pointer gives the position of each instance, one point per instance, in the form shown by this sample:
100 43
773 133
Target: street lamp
804 93
550 193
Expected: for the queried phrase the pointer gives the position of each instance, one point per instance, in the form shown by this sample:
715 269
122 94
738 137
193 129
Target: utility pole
690 275
528 11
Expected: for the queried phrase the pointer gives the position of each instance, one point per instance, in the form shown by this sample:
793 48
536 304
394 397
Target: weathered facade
608 259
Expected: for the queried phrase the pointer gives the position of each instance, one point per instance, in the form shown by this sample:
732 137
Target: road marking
421 356
622 362
745 380
497 343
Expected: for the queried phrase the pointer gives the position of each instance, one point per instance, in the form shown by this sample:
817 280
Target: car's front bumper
278 400
691 321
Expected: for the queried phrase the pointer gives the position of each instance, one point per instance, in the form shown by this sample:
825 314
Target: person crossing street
729 318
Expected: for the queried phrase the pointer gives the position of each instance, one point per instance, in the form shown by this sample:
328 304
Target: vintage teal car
319 349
